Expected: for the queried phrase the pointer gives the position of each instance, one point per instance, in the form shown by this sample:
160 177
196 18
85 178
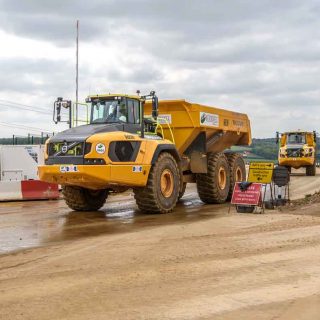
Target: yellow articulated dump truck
298 149
154 147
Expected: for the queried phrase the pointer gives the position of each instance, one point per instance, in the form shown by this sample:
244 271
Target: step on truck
154 147
298 149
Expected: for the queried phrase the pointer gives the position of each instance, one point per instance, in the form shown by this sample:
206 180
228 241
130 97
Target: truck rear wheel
213 186
237 170
82 199
311 170
161 193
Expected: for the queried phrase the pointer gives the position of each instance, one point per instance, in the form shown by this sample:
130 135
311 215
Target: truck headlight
308 152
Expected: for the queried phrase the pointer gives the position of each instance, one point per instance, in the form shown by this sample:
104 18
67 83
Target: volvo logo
64 148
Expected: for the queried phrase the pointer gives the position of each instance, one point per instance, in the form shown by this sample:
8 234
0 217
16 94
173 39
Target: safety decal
100 148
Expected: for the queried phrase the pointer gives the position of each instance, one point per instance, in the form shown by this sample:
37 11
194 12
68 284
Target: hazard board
261 172
250 196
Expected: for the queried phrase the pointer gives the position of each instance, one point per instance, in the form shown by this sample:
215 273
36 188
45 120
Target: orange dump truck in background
298 149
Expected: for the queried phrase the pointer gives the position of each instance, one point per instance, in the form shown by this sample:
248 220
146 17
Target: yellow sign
262 165
261 172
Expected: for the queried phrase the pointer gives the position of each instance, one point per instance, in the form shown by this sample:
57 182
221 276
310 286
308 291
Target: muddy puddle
30 224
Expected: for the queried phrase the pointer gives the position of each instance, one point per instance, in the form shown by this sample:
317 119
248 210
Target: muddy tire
213 186
237 170
82 199
182 191
161 193
311 170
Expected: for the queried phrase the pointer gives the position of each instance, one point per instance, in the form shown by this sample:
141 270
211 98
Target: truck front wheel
82 199
213 186
161 193
311 170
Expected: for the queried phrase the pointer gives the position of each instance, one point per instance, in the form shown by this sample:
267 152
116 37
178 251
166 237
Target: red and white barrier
19 174
28 190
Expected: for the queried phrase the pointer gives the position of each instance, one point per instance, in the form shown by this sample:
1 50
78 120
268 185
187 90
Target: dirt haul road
197 263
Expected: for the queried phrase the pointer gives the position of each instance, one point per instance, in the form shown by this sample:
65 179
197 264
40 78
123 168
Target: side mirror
155 107
58 118
277 137
58 104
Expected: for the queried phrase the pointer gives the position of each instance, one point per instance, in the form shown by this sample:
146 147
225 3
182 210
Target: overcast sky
257 57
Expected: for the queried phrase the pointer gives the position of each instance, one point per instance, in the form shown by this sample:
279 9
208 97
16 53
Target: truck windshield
108 111
296 138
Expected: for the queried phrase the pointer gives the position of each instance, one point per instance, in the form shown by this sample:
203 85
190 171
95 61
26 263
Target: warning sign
262 165
250 196
261 172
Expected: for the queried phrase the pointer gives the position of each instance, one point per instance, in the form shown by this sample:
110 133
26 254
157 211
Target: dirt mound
307 200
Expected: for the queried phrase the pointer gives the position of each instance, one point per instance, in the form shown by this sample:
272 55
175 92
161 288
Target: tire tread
145 197
77 199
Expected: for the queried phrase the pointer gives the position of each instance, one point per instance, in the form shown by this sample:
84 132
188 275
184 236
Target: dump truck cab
298 149
116 109
105 152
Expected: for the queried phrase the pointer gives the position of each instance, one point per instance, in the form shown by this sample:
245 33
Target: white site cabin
18 163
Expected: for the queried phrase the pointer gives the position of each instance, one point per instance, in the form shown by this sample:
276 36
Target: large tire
213 186
182 191
161 193
82 199
237 170
311 170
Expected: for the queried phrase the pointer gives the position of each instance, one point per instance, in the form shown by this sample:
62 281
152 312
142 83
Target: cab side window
136 108
133 111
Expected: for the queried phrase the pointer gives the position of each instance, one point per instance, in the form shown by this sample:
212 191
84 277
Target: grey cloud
42 78
259 57
194 20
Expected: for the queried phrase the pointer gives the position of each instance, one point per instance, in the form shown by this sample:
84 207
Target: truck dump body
222 128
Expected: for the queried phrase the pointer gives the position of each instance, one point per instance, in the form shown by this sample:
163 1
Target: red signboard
251 196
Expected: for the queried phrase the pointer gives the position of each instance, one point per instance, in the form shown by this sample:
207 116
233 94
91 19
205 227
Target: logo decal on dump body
100 148
164 118
69 169
137 169
209 119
